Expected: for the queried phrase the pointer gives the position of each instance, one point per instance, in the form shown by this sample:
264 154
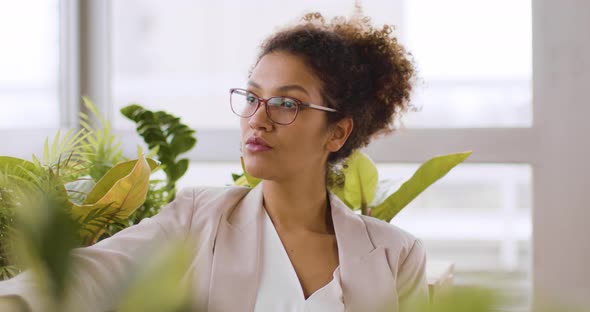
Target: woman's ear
339 133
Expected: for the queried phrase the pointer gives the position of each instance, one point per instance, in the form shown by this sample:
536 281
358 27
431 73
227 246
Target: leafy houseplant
358 186
167 138
44 245
83 190
165 134
94 196
99 189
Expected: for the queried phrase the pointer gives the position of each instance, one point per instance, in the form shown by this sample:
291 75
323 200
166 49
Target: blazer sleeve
411 281
97 269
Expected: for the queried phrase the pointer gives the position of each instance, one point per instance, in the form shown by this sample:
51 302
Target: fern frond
102 149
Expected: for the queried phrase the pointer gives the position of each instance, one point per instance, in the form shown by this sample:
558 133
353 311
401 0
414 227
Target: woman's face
298 148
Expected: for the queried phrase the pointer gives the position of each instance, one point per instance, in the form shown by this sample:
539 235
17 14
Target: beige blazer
381 265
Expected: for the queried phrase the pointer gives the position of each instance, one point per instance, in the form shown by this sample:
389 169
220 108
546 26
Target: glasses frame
260 100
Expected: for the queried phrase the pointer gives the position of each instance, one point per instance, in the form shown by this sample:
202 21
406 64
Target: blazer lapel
236 256
366 278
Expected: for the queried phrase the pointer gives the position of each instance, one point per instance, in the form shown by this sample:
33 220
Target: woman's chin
256 169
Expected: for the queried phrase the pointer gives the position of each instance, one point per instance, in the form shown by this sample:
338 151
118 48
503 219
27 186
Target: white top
279 288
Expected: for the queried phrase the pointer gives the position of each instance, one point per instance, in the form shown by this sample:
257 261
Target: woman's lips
253 147
257 144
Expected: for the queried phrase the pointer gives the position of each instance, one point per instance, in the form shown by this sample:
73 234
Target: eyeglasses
280 109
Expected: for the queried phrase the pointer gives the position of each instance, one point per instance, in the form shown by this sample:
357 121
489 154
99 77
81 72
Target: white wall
561 216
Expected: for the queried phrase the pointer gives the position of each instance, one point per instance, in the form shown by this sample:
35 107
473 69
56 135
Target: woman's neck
298 204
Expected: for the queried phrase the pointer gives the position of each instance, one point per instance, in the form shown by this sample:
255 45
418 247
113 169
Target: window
476 70
29 64
474 59
186 56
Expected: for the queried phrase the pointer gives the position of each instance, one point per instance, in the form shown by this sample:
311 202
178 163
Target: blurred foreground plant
43 239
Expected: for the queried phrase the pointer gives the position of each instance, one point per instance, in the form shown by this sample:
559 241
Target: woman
317 92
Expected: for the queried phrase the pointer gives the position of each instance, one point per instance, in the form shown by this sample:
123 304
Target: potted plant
99 189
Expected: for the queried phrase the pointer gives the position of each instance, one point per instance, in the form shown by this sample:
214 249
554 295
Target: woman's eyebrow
282 88
254 84
293 87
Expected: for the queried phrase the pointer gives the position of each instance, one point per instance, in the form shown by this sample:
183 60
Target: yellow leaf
360 181
242 181
116 196
252 181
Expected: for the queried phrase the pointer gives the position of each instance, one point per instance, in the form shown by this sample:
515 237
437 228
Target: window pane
209 174
475 62
472 202
185 55
478 217
29 61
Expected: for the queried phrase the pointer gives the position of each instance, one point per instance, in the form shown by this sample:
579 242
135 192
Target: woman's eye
289 103
250 99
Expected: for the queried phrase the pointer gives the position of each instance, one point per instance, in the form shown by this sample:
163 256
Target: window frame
85 70
25 142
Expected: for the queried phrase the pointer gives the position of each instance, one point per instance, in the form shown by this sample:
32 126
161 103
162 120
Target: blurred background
475 92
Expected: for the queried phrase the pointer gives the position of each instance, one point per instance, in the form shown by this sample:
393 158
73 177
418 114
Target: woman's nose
260 119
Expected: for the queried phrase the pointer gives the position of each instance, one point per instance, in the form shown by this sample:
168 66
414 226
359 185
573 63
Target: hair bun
367 74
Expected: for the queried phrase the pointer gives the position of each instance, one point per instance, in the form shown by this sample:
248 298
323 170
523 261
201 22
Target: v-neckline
276 239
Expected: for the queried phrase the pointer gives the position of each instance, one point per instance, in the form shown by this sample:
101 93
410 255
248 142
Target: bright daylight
326 155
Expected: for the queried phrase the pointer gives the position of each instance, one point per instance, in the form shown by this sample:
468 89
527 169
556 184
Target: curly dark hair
366 74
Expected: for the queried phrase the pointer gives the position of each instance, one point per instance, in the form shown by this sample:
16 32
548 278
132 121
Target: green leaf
385 188
426 175
8 271
165 133
102 149
122 189
235 176
360 181
54 145
252 181
241 181
131 111
89 104
46 152
115 175
182 144
181 167
469 299
8 163
69 146
45 236
169 294
17 175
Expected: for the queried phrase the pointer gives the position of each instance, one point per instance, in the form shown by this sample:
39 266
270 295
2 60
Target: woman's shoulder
406 256
215 193
197 206
391 237
203 198
383 233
